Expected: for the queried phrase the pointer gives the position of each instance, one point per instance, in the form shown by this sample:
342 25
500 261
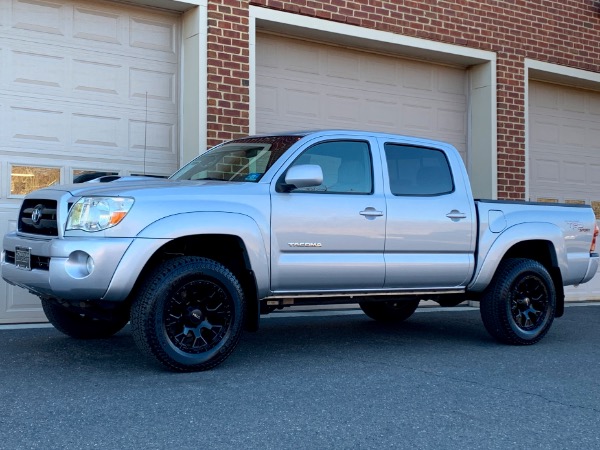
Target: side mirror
303 176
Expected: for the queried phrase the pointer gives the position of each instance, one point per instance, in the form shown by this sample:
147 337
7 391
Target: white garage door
564 153
304 85
84 86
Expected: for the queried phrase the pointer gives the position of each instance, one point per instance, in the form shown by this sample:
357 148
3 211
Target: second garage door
306 85
564 153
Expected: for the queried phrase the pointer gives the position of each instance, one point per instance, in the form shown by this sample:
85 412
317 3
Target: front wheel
189 314
519 305
390 311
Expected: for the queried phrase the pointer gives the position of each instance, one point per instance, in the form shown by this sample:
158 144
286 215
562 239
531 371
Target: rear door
430 219
331 237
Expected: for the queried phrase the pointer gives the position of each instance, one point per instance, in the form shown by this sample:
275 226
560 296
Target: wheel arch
226 249
544 252
234 240
544 243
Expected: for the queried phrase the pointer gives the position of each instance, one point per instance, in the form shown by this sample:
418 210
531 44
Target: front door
331 237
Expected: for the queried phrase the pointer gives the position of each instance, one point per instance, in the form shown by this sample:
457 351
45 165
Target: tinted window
418 170
346 167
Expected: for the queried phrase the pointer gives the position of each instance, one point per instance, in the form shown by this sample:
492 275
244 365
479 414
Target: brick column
228 70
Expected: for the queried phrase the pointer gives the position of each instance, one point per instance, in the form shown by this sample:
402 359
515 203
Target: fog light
79 264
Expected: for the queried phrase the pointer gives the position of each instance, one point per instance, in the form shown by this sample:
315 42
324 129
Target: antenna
145 132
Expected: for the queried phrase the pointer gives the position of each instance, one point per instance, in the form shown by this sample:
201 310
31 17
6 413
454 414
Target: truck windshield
244 160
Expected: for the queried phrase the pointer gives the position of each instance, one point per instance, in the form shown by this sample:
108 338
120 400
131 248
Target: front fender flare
155 235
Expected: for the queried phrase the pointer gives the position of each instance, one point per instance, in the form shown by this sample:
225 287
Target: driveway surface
312 381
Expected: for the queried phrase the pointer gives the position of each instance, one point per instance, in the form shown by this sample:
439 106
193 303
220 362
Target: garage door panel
545 130
95 24
91 130
41 17
86 83
301 58
341 66
34 124
452 81
344 108
152 34
159 87
301 103
37 68
573 101
381 71
126 30
75 75
574 173
573 135
417 77
381 114
452 120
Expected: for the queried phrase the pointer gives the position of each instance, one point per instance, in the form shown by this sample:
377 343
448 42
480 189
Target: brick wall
228 70
565 32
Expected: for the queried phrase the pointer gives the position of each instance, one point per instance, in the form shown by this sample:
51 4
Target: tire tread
142 310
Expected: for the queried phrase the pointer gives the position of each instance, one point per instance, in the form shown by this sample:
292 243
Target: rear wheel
519 305
189 314
82 326
390 311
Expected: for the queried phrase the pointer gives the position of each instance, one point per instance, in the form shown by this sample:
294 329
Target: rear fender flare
488 264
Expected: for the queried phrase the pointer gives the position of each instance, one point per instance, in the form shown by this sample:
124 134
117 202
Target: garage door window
24 179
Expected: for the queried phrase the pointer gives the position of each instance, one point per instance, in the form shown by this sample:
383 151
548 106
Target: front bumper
67 275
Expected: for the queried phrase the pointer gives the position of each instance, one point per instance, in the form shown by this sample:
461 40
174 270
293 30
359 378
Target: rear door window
418 170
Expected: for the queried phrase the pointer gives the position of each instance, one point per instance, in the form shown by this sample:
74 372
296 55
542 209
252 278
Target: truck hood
150 187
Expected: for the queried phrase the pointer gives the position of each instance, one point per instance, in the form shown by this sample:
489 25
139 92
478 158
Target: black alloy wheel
189 314
529 303
519 305
198 316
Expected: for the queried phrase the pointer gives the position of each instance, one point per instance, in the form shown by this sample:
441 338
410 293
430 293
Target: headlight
98 213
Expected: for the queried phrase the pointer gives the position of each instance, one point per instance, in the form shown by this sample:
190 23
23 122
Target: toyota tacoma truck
264 222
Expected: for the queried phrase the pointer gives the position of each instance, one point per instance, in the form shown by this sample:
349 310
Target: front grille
37 262
38 217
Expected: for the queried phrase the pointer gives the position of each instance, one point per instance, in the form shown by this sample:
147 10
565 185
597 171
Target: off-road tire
81 326
519 305
392 311
188 314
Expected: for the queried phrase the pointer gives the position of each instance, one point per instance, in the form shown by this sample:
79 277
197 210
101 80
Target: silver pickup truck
266 222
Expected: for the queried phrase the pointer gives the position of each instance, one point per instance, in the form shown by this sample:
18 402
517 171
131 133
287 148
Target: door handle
456 215
371 212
